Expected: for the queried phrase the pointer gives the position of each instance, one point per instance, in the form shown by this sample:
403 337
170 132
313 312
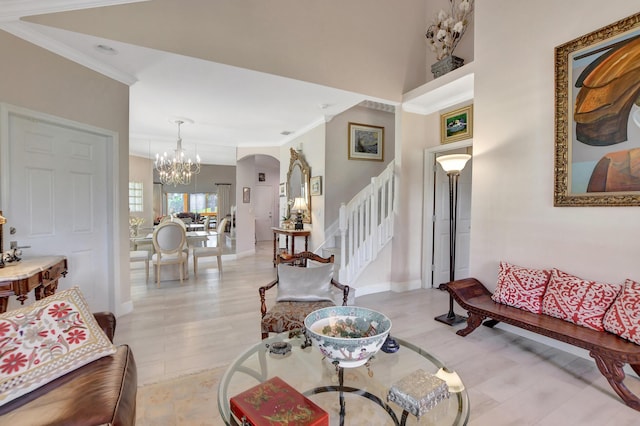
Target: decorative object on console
419 392
178 169
456 125
275 402
366 142
446 32
300 207
452 165
46 340
591 169
348 335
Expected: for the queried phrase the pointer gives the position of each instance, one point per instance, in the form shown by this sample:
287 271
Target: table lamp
299 205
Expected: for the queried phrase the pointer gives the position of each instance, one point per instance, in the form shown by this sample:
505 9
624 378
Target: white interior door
265 212
57 200
441 225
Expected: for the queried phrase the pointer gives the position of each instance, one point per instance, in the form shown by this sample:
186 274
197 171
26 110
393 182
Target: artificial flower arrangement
446 32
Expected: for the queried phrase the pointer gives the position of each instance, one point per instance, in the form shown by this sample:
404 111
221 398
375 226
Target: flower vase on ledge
446 64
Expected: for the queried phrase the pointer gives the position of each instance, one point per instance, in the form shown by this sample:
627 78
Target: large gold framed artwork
597 117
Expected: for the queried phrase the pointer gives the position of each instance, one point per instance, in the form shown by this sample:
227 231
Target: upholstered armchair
304 283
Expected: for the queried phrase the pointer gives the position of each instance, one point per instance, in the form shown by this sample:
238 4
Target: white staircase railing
366 225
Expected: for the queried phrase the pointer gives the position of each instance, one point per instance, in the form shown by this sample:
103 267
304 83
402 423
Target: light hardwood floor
511 380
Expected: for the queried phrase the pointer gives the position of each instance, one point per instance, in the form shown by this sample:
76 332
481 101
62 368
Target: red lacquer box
275 403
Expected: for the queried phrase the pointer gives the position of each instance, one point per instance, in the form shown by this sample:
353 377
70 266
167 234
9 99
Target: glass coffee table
351 396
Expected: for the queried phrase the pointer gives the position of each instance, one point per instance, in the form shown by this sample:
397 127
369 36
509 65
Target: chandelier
177 170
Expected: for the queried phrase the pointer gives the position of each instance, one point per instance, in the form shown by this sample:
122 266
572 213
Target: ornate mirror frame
296 162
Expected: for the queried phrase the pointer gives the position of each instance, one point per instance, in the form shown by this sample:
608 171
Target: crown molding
16 9
28 32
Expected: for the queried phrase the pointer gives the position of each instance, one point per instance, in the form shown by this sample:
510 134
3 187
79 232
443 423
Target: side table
288 233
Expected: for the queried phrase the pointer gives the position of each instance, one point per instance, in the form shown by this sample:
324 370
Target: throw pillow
623 318
578 301
43 341
521 287
296 284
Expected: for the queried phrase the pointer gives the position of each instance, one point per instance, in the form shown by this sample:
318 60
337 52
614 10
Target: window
135 196
178 202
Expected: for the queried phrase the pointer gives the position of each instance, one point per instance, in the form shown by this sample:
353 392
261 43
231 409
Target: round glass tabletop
363 391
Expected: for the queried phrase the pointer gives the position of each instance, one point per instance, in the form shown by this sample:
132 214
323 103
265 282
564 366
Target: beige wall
513 217
36 79
344 177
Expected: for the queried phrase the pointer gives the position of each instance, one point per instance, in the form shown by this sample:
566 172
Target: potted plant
446 32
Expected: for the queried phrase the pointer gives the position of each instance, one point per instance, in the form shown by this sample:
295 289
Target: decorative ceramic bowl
347 334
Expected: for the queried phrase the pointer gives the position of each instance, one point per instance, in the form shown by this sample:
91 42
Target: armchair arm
262 291
106 321
345 290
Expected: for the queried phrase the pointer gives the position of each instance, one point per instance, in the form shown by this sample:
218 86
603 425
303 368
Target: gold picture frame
456 125
597 143
315 185
366 142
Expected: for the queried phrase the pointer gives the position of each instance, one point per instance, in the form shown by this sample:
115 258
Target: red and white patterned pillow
521 287
43 341
578 301
623 318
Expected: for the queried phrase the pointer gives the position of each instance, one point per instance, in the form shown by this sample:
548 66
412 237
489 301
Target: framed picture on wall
597 118
282 190
246 194
366 142
456 125
261 177
316 185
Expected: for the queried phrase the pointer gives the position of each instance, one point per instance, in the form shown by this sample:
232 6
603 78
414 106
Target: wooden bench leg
612 370
473 322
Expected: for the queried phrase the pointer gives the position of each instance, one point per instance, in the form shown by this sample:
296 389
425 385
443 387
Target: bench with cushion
610 351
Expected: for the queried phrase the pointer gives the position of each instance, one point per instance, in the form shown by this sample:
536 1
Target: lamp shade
3 220
299 204
453 162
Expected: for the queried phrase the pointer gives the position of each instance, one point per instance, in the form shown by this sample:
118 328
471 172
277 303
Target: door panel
57 200
265 212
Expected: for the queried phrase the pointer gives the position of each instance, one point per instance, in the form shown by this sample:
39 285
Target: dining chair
169 240
206 251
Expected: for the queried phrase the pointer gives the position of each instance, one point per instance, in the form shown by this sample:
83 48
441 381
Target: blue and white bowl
348 351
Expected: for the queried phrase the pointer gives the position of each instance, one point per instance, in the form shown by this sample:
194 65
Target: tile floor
511 380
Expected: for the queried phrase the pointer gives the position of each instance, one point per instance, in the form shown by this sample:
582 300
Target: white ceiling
230 107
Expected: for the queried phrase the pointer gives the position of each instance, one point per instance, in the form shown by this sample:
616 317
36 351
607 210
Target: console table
37 273
289 233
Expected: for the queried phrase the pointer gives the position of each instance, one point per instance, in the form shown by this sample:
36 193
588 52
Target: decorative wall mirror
298 178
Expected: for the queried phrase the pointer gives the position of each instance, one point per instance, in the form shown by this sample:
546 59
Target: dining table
194 238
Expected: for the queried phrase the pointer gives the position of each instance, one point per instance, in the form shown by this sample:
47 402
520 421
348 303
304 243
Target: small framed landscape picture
456 125
246 194
316 185
283 190
366 142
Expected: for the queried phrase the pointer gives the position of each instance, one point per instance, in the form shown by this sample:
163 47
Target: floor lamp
452 165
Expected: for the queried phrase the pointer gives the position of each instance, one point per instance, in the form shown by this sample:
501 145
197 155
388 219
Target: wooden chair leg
220 265
158 275
146 266
195 266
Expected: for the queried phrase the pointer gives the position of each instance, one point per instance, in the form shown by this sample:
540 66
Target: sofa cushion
296 284
521 287
578 301
623 317
46 340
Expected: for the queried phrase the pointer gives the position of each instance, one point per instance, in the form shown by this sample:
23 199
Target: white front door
441 225
57 200
265 212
